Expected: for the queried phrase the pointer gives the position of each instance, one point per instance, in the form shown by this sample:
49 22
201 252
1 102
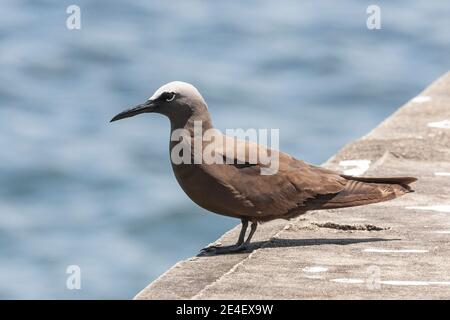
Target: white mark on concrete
445 174
348 280
313 276
438 208
444 124
374 250
395 282
404 283
361 166
314 269
441 231
421 99
415 283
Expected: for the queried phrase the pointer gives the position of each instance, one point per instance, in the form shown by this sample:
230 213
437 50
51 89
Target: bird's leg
250 235
242 233
240 246
239 242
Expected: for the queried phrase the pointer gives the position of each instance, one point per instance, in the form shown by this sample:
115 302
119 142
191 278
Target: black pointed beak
148 106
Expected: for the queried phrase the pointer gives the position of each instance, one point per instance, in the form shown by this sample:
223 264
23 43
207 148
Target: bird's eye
169 96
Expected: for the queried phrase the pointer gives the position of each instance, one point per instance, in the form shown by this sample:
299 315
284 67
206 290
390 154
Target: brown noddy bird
236 187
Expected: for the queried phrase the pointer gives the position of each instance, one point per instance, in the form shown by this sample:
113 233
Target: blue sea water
76 190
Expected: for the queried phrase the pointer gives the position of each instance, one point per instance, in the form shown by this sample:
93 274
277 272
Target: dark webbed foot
213 250
241 245
210 248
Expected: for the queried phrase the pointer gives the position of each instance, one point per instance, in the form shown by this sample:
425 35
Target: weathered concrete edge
188 278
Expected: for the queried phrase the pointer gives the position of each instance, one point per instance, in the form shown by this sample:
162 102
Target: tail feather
403 181
365 190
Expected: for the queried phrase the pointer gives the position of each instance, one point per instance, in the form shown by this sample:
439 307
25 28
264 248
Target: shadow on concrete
283 243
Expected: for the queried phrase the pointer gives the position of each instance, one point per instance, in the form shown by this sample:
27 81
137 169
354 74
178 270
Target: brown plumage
238 189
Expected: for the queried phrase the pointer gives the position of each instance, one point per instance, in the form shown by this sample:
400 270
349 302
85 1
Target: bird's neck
190 120
188 133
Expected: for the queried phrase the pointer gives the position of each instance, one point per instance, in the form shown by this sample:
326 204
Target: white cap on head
180 87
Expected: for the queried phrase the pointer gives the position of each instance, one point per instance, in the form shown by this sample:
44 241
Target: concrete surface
332 254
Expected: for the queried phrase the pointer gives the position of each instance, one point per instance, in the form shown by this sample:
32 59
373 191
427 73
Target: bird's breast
206 191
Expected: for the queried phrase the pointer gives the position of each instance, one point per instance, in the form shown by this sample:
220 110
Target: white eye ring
170 99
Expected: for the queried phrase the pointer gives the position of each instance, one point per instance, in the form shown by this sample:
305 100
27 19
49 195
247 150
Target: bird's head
175 100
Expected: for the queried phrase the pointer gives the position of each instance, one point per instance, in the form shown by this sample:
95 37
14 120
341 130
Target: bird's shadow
284 243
